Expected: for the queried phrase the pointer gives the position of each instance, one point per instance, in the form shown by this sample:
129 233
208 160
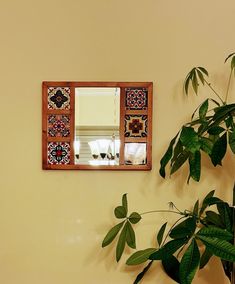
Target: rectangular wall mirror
97 125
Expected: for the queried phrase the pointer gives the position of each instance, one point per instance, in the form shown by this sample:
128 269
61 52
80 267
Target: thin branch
162 211
229 83
214 91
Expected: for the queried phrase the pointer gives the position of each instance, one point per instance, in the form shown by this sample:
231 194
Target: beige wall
52 222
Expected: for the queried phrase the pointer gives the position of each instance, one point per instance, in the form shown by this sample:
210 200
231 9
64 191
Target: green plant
210 130
178 249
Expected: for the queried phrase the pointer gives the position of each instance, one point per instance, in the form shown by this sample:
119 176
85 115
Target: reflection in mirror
97 119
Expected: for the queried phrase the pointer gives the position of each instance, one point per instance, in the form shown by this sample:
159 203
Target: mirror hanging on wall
97 123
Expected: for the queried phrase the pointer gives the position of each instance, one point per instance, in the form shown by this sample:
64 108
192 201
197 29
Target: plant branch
229 83
214 91
162 211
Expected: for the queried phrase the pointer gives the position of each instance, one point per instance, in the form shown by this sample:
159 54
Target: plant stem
209 85
162 211
229 82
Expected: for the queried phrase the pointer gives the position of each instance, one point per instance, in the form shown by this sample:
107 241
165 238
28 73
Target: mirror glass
97 121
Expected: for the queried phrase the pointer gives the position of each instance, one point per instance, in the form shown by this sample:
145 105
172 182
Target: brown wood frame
71 112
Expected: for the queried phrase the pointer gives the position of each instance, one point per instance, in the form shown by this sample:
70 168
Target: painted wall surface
52 222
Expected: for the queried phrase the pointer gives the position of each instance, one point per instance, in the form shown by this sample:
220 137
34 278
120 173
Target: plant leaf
168 249
130 236
220 248
124 202
189 263
141 274
206 256
177 150
161 234
226 215
134 218
215 232
206 145
229 57
195 165
196 208
121 243
195 82
200 76
120 212
203 109
214 218
205 201
171 267
231 136
185 229
204 70
140 256
167 156
215 130
219 150
181 159
112 233
189 139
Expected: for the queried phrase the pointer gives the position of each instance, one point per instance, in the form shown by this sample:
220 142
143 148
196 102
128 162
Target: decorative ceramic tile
58 125
136 125
135 153
58 153
58 98
136 98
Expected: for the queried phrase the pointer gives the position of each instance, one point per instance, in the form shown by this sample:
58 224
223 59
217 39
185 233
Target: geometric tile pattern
58 125
58 98
58 153
136 126
136 98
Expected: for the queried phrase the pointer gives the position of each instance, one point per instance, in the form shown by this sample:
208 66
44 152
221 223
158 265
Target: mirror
97 123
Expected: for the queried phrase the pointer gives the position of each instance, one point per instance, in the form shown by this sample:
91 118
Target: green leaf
112 233
219 150
215 130
121 243
214 218
168 249
231 136
134 218
161 234
204 70
171 266
142 273
167 156
218 247
205 201
206 145
206 256
195 165
177 150
196 208
187 81
185 229
181 159
140 256
226 215
189 139
124 202
130 236
222 112
215 232
120 212
195 82
200 76
229 57
203 109
189 263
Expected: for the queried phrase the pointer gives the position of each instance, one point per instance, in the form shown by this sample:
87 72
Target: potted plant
208 224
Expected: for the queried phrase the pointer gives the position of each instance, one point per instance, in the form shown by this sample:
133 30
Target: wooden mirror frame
66 108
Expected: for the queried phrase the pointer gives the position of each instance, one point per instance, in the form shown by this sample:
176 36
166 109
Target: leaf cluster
210 130
179 251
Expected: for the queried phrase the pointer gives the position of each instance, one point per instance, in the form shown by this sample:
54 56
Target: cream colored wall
52 222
